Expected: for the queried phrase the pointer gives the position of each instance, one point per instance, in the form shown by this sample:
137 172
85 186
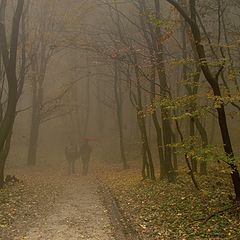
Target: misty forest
119 119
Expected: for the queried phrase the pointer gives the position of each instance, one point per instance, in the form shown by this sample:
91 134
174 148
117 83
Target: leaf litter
24 202
161 210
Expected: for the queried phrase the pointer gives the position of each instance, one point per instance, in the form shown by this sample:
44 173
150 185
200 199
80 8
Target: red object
90 138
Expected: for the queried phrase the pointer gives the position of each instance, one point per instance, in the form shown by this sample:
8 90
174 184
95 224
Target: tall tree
8 49
119 110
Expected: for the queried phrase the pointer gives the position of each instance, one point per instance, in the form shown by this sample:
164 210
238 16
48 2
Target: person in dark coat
85 153
71 154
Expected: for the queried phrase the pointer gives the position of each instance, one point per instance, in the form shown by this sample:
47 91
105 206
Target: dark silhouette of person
71 154
85 153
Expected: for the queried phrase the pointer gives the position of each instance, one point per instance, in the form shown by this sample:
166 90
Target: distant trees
11 81
117 85
44 37
42 51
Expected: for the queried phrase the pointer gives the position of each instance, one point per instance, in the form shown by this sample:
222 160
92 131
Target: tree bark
166 125
117 94
156 52
156 122
204 138
10 65
142 123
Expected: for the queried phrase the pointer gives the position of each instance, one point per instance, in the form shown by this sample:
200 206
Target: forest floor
49 206
115 204
159 210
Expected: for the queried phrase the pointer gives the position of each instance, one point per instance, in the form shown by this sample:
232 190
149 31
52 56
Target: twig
217 213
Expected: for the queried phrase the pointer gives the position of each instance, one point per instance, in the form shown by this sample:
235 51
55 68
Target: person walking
71 154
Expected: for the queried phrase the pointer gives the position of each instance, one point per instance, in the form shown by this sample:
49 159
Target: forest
119 119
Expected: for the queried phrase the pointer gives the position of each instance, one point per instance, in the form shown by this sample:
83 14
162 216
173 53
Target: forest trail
78 214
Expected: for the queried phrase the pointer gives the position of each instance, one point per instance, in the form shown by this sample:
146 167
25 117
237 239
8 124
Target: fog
149 89
83 40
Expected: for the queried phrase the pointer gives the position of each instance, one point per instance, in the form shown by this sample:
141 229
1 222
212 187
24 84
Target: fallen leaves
157 210
160 210
22 203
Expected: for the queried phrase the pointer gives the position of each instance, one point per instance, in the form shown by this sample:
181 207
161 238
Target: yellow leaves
195 105
218 101
182 61
232 74
151 109
174 211
173 103
189 83
168 26
141 114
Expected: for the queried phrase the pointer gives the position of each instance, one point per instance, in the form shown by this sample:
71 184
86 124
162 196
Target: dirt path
78 214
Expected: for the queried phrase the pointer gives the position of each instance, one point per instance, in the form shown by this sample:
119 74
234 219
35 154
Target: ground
78 214
117 205
159 210
44 206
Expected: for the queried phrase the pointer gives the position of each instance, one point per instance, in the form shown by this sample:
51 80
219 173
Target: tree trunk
117 94
150 43
2 167
204 138
159 144
35 125
100 118
174 152
192 134
157 124
3 157
192 91
164 91
170 173
228 150
191 173
10 66
145 165
142 123
149 154
148 168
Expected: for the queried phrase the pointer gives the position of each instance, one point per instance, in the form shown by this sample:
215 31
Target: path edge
122 227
